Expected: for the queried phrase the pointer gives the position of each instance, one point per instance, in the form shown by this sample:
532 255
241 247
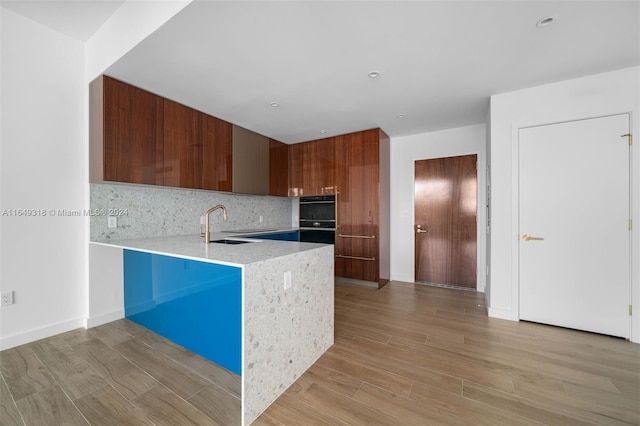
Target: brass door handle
420 230
527 237
371 259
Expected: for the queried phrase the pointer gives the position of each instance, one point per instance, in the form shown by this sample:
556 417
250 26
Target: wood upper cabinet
126 128
197 149
278 168
217 146
139 137
318 171
361 178
295 169
250 162
311 168
182 146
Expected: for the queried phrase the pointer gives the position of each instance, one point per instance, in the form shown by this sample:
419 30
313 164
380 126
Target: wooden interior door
445 221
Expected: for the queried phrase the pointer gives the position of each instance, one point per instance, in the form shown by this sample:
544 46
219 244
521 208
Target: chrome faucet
207 229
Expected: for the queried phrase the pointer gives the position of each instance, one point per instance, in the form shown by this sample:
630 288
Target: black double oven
318 219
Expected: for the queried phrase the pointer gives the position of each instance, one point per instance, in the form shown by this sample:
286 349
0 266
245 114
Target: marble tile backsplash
150 211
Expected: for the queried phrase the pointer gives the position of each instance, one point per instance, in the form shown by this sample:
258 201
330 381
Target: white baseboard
103 319
402 277
40 333
500 313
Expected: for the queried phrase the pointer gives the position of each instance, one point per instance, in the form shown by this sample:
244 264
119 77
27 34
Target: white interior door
574 196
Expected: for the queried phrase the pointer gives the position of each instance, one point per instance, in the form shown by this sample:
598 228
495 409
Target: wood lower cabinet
362 181
126 130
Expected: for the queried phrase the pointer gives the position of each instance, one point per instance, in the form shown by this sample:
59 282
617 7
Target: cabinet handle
369 237
371 259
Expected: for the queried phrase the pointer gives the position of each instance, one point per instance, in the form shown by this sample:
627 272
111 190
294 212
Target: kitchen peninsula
283 294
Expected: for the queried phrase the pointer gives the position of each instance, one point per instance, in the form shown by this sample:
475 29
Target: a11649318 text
64 212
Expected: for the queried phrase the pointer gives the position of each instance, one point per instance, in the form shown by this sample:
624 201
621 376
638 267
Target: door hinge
630 310
629 136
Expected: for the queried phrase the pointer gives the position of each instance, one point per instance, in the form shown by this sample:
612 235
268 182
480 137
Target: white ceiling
439 61
78 19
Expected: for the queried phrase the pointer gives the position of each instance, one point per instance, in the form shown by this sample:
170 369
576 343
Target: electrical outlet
287 280
261 219
7 298
112 222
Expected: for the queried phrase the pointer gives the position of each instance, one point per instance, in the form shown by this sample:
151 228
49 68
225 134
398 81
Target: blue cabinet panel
283 236
197 305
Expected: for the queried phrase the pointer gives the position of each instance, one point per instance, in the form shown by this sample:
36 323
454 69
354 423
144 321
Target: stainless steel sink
228 241
247 231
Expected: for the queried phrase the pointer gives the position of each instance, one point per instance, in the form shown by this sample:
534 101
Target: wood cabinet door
182 146
278 168
250 162
357 181
296 159
133 135
311 168
318 176
217 151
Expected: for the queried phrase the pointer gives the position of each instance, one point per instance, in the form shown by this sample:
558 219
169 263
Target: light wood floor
115 374
404 355
417 355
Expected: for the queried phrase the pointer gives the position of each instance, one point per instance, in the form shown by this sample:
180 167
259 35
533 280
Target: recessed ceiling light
401 116
274 104
374 74
546 21
323 131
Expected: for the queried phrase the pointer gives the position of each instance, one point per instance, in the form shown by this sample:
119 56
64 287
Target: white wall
598 95
43 166
44 162
127 27
404 152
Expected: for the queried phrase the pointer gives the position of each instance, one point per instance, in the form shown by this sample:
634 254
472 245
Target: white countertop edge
163 253
192 247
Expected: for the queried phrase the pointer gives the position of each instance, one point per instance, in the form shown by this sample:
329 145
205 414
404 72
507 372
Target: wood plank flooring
404 355
115 374
417 355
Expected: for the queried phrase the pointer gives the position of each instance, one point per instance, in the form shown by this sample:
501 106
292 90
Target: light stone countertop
193 247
